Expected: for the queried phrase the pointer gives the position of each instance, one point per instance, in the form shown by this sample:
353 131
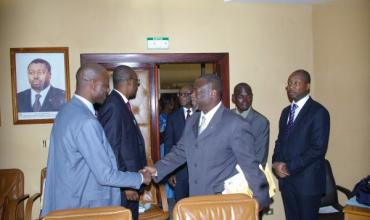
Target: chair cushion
101 213
217 207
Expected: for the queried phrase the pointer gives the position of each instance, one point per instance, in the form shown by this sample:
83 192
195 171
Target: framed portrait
40 83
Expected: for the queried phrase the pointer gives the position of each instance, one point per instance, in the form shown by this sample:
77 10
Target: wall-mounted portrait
40 83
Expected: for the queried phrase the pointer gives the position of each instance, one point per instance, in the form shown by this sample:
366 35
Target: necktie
291 116
37 104
188 114
129 106
202 125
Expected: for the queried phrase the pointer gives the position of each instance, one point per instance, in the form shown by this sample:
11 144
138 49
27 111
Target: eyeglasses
184 94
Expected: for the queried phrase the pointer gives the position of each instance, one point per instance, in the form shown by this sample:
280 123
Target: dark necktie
37 104
291 116
188 114
129 106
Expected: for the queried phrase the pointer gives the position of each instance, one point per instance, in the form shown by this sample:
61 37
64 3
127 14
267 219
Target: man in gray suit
82 169
214 141
243 98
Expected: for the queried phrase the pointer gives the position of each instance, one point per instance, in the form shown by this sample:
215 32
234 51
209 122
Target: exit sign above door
161 43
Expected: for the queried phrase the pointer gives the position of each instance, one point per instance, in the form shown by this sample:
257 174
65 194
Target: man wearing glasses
175 126
122 130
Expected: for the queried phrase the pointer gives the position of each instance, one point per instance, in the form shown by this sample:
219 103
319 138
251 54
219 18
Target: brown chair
156 196
12 194
100 213
216 207
34 197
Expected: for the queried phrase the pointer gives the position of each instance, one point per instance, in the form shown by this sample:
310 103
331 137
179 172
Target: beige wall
342 66
265 42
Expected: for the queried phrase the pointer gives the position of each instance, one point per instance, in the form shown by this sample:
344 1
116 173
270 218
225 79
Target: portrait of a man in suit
41 96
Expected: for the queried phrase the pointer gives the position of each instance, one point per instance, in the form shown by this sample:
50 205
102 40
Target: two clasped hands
148 172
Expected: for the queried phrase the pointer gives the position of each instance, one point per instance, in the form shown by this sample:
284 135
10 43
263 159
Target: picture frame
40 83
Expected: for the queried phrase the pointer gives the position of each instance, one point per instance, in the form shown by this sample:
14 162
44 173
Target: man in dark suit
42 96
214 141
299 155
175 126
123 131
243 98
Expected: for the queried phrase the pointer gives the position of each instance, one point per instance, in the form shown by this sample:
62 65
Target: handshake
148 172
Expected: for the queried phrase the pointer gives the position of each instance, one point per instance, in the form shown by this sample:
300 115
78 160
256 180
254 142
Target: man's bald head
92 82
89 72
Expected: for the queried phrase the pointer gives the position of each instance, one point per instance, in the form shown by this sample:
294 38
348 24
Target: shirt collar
186 109
88 104
245 113
302 101
122 95
209 115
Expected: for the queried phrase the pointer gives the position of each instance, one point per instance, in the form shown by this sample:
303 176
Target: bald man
82 169
123 131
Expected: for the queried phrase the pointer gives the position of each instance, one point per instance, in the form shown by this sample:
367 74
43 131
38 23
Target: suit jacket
174 129
123 133
81 168
213 155
53 101
303 149
261 131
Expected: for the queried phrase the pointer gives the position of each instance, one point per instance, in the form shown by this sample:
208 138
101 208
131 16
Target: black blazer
123 133
304 149
174 128
53 101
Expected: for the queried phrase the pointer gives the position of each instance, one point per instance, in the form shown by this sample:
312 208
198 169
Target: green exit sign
161 43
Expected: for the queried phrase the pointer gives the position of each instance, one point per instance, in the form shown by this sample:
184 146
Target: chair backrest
11 187
217 207
331 195
101 213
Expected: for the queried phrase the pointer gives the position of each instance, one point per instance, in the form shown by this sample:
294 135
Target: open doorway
146 65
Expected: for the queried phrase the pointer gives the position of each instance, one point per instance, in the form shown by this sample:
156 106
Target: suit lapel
132 117
250 116
195 125
212 126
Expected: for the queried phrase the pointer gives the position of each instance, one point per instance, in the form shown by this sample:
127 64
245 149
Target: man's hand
132 195
280 169
147 176
172 180
152 170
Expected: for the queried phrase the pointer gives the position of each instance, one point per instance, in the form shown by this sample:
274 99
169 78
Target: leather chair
155 195
12 194
216 207
100 213
34 197
330 199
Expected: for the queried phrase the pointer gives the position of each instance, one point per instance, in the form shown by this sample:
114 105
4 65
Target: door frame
112 60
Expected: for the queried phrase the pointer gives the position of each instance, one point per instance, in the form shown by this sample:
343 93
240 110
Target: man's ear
308 86
233 98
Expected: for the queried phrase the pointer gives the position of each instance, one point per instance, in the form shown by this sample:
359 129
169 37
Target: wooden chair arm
163 197
29 206
11 211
